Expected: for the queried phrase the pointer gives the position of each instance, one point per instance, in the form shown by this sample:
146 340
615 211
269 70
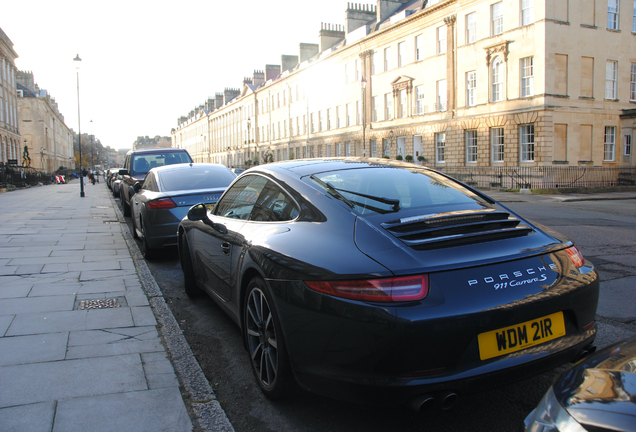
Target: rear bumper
395 392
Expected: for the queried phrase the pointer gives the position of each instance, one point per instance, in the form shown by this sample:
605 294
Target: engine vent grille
456 228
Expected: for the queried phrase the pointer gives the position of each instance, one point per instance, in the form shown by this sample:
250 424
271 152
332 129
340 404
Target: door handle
225 248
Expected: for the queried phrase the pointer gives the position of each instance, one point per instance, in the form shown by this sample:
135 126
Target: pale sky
146 63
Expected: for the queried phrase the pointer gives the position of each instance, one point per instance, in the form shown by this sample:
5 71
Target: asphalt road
604 231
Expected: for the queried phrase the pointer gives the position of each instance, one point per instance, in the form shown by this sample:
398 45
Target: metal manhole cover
99 304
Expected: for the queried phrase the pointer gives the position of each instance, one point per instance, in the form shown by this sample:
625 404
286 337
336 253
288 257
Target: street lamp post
79 128
92 154
363 85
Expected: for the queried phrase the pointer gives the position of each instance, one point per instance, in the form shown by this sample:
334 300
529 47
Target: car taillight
399 289
161 204
575 256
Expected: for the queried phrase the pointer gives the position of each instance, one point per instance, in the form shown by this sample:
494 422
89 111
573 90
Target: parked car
165 196
596 394
386 282
116 184
109 174
139 162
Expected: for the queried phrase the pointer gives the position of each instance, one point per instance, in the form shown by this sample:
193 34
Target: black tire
146 250
134 226
265 343
189 278
125 206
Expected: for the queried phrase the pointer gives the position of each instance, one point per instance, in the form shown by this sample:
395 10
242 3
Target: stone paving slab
29 305
42 382
33 348
135 411
33 418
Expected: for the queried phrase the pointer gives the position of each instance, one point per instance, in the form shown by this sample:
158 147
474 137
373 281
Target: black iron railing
18 176
543 177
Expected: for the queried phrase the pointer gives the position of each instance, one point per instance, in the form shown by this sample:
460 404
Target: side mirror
137 186
199 212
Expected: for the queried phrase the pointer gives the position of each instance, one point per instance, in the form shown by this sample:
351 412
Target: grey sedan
165 196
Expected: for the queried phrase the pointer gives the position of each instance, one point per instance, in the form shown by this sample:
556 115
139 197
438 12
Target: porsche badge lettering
516 278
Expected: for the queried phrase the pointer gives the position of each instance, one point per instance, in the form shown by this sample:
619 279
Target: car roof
157 150
304 167
189 165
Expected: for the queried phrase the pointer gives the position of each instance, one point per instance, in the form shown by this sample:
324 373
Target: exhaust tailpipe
448 399
422 403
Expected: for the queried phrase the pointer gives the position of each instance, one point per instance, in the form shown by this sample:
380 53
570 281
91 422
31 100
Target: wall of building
554 112
10 146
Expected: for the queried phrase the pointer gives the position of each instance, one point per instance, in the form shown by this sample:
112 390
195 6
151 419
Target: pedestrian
91 177
84 174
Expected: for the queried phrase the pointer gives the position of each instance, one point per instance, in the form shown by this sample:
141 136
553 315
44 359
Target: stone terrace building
457 84
10 148
48 138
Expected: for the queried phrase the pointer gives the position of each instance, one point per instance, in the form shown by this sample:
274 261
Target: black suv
139 162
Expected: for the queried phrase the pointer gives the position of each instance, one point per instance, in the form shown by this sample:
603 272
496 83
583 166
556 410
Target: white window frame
611 79
527 12
388 106
609 144
613 14
440 147
402 103
387 59
442 96
627 145
419 47
497 144
420 108
496 79
374 148
374 109
471 146
527 76
471 27
634 18
441 40
401 54
348 115
496 19
374 63
471 88
632 83
526 143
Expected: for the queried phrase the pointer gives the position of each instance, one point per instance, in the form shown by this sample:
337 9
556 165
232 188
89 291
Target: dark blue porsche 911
386 282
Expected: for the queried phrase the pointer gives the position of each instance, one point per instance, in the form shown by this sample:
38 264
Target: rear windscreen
194 177
390 190
141 164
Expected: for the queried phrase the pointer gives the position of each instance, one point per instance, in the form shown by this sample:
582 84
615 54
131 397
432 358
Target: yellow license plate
209 207
517 337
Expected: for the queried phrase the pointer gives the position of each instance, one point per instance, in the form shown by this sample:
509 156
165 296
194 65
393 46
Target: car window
273 205
390 190
142 163
196 178
150 184
239 200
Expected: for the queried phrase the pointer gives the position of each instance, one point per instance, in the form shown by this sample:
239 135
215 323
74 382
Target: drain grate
99 304
110 221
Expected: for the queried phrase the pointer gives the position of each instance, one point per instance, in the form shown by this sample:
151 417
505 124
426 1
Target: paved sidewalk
86 340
